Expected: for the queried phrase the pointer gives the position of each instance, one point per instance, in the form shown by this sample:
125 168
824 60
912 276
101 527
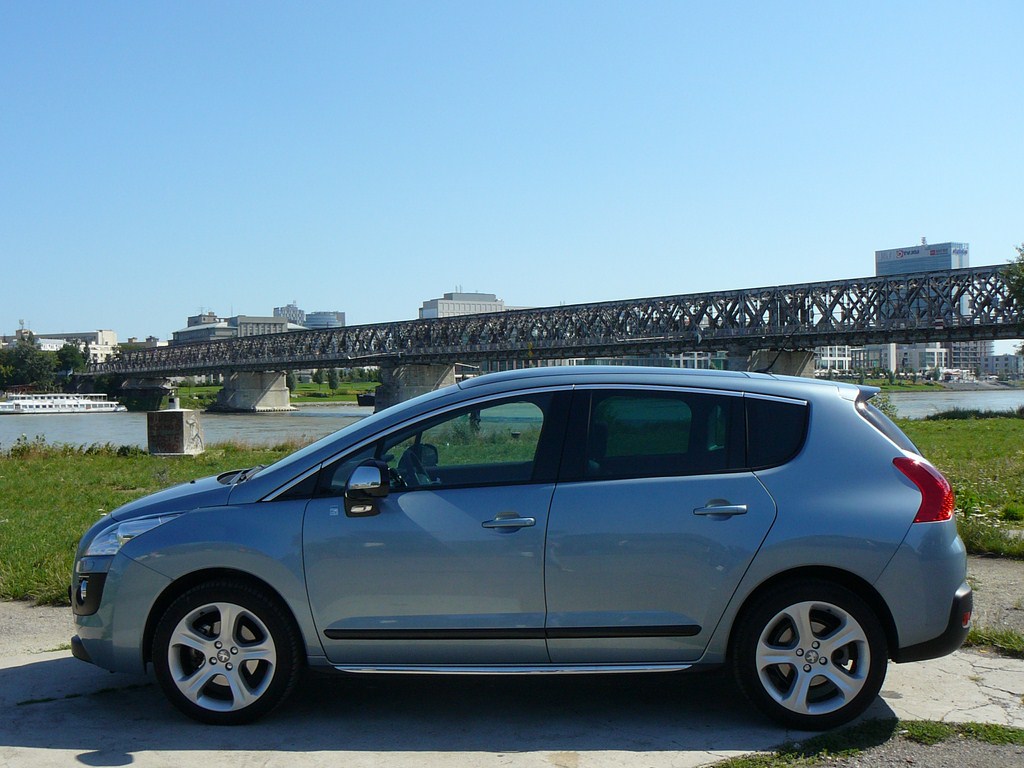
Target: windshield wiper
247 473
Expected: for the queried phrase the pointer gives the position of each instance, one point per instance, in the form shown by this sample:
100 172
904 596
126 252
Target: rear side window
659 434
775 431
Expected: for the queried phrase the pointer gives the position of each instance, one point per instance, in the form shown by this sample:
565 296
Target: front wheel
810 654
226 653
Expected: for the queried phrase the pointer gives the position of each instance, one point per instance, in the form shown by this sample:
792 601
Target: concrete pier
138 394
175 432
786 362
253 392
404 382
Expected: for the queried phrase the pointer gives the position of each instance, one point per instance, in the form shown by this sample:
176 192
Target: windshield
300 456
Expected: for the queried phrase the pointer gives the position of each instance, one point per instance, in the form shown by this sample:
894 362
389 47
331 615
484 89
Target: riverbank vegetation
53 493
983 459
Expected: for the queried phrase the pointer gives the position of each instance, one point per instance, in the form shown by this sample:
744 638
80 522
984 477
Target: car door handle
725 510
510 522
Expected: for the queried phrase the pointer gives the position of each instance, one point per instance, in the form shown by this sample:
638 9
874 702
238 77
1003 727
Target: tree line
23 364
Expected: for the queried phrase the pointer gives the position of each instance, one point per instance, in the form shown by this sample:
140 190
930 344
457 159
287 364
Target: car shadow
106 719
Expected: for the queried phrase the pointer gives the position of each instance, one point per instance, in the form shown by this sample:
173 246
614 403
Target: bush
975 413
1013 512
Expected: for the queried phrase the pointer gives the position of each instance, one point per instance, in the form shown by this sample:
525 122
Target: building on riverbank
100 345
1005 367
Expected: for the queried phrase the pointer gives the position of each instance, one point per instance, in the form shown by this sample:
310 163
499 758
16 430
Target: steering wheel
411 469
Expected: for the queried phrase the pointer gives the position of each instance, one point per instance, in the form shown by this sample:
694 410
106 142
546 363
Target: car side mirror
367 483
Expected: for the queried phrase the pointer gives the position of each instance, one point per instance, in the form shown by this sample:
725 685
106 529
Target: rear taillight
937 502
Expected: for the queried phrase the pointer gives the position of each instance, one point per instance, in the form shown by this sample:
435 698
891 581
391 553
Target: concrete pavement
59 711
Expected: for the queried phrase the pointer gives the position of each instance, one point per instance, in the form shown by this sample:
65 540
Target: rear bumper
958 626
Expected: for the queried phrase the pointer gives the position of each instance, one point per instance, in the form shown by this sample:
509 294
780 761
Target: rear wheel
810 654
226 653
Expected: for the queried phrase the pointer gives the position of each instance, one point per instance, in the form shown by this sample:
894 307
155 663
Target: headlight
110 540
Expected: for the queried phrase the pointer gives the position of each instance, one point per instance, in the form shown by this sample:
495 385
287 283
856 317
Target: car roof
685 377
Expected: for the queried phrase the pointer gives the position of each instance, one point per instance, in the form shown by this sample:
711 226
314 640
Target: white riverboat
59 403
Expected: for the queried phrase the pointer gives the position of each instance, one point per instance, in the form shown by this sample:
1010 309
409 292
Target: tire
810 654
226 675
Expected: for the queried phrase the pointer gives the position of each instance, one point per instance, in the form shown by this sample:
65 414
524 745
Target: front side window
500 442
486 445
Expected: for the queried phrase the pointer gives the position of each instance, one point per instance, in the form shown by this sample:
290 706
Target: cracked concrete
581 722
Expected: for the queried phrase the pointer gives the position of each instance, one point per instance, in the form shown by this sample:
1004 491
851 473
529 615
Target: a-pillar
404 382
253 392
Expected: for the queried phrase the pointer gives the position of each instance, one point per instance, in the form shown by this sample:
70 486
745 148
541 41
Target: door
450 568
657 524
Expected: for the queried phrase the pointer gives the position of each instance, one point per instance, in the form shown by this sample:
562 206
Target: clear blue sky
158 158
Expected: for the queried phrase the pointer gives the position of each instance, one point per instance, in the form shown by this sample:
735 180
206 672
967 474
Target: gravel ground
25 628
999 601
998 592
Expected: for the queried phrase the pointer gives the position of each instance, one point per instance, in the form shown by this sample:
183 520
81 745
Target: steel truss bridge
944 306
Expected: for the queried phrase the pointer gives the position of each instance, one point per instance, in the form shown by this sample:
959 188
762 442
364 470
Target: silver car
571 519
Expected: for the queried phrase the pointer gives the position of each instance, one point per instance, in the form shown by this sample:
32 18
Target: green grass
849 742
53 493
818 749
1008 642
983 459
319 393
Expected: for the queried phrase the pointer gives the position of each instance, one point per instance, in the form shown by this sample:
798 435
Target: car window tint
775 431
486 445
651 434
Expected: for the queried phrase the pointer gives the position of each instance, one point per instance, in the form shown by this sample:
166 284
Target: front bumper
110 618
957 627
78 649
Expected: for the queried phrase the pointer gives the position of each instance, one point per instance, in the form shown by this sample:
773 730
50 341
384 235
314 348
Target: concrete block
176 432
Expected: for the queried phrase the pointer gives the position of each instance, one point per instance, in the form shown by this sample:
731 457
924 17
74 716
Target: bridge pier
404 382
253 392
785 362
144 394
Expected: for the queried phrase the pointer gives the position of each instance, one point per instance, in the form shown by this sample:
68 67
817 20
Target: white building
101 345
917 358
837 358
457 303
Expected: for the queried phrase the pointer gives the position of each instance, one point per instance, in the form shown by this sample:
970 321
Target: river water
309 423
305 425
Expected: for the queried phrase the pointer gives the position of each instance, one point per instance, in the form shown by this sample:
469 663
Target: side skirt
551 669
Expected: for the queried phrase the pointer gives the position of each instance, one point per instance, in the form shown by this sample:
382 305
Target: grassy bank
203 397
52 494
984 462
